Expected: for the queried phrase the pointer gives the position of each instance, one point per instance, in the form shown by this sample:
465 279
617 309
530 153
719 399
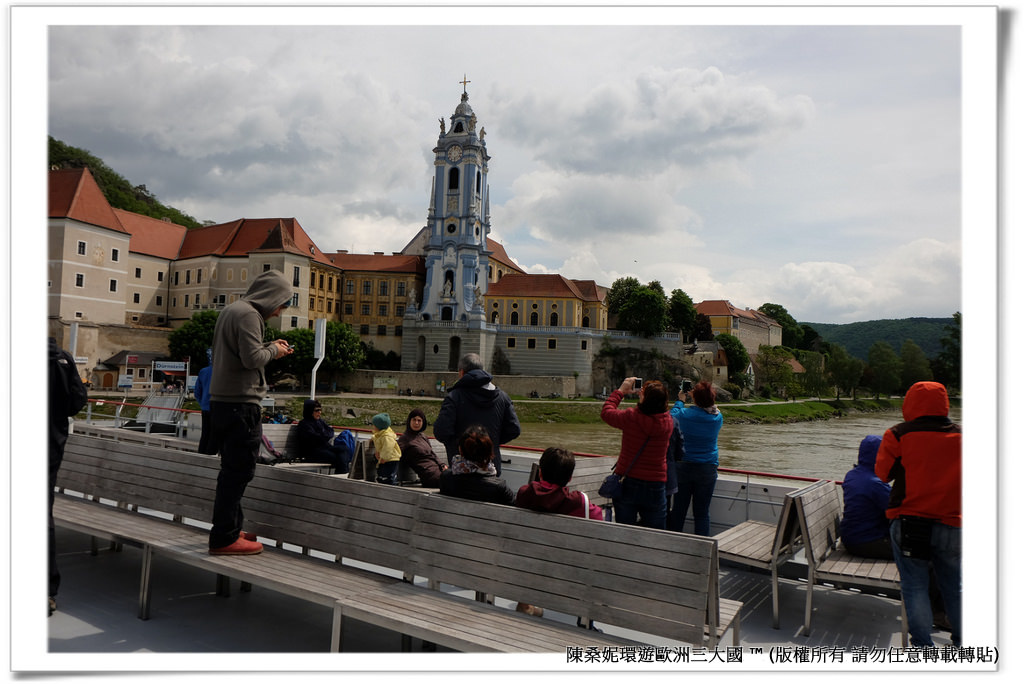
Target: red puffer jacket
636 427
921 456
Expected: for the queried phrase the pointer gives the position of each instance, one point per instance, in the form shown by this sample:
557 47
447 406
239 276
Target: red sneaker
240 547
247 536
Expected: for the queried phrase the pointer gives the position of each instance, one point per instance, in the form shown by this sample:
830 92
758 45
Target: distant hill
857 338
119 192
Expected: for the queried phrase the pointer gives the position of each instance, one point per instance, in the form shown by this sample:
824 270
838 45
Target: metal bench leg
245 587
223 585
775 596
337 625
147 567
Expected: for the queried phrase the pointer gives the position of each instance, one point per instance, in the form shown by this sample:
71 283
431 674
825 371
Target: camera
687 385
638 383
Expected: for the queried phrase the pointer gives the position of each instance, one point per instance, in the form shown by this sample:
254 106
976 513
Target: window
176 273
364 330
199 275
453 179
552 344
113 285
159 300
513 319
79 280
160 277
174 302
138 273
398 331
399 310
81 248
382 330
78 314
295 300
382 289
312 302
197 301
312 279
367 287
321 281
329 303
142 373
531 343
348 309
554 319
135 298
583 345
382 310
350 287
400 289
534 319
186 301
295 322
266 267
364 310
511 344
295 276
115 254
188 276
330 283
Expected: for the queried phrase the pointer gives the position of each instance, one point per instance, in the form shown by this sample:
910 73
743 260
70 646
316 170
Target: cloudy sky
817 167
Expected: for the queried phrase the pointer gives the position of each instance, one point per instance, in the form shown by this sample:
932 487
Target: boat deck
98 600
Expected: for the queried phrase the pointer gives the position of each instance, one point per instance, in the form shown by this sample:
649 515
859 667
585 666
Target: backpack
347 441
70 393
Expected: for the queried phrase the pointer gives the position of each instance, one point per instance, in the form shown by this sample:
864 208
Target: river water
820 449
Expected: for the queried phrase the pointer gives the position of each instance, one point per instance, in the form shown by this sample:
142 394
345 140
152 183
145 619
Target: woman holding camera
646 429
698 471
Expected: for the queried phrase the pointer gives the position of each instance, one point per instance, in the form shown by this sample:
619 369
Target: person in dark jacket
316 439
417 453
67 396
864 528
475 400
472 475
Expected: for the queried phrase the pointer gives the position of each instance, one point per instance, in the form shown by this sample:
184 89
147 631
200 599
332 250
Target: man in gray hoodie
236 391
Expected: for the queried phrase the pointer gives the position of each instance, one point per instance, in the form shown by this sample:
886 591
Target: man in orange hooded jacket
922 458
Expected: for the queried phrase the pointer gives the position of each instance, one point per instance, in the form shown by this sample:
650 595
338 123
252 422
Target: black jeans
236 432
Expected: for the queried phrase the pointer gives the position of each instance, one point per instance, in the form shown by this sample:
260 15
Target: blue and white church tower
450 319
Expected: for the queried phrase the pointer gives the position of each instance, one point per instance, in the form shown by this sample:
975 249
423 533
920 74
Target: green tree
682 314
792 333
886 368
645 313
343 352
845 371
814 381
619 293
735 352
773 363
702 331
915 365
193 338
948 361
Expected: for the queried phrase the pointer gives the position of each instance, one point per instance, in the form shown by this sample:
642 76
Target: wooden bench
818 510
583 568
764 545
316 531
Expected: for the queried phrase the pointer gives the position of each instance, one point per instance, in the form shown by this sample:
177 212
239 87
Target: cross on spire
464 82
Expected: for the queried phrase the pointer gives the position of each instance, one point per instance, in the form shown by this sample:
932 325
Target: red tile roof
592 292
242 236
389 263
499 254
74 194
539 285
723 307
151 236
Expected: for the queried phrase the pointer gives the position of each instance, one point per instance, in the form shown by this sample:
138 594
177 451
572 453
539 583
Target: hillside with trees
118 190
857 338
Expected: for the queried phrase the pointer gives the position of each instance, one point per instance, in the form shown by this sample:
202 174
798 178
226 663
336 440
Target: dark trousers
54 581
696 484
237 433
205 438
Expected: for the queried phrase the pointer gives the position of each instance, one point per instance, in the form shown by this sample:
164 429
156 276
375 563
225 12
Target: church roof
150 236
74 194
243 236
540 285
387 263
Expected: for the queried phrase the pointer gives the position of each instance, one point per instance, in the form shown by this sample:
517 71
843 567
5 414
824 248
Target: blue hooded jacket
865 498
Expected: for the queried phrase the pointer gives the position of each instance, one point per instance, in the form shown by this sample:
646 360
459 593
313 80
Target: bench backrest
818 511
652 581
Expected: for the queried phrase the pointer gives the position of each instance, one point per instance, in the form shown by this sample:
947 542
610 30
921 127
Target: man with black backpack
67 397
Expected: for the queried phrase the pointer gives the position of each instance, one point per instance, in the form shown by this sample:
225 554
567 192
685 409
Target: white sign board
169 365
319 338
81 359
124 382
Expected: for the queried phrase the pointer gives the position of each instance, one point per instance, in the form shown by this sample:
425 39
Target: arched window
586 321
453 179
513 318
495 317
478 182
534 318
554 319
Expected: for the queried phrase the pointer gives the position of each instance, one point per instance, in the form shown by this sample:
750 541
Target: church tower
459 222
450 319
